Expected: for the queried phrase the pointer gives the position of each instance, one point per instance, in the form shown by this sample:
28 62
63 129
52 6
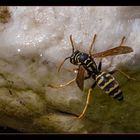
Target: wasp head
74 57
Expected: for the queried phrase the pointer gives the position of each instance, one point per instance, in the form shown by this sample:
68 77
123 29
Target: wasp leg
87 77
87 101
100 65
91 46
62 85
126 75
112 72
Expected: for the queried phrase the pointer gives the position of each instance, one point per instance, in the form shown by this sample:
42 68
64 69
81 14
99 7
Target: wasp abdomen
109 85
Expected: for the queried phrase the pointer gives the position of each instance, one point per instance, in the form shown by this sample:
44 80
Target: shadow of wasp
104 80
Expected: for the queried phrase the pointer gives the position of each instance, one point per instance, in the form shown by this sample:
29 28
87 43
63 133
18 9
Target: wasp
104 80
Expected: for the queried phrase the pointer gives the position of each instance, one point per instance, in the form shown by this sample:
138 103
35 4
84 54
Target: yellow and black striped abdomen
109 85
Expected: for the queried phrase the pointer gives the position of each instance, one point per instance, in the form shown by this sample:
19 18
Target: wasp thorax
82 57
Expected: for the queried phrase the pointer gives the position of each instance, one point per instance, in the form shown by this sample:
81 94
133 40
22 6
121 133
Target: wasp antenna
62 63
122 41
91 46
72 43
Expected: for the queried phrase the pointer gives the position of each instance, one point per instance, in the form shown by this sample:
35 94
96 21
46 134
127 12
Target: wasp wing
80 77
114 51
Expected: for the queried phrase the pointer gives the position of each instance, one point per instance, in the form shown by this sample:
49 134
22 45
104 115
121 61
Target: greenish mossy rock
43 109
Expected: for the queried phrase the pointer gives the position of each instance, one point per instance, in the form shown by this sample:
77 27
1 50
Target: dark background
8 130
